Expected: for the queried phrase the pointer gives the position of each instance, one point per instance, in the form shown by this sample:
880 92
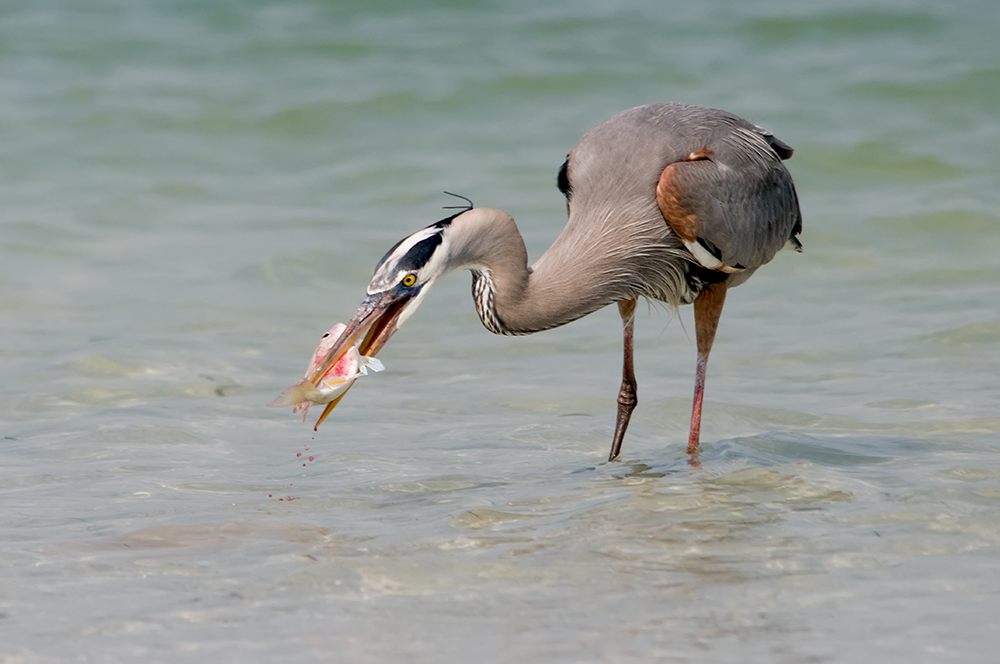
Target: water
193 192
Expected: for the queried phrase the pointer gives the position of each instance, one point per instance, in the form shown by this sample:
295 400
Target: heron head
401 280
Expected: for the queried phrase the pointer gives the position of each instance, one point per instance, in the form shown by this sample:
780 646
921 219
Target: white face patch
422 253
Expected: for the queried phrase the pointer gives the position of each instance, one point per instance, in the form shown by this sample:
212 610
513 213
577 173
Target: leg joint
627 397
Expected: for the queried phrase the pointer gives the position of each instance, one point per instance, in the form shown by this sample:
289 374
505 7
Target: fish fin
301 392
372 363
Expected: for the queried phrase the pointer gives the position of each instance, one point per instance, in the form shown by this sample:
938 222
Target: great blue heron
669 202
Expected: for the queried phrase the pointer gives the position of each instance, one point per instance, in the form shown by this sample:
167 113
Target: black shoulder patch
562 180
783 150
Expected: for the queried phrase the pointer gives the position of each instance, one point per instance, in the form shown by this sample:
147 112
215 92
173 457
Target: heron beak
378 319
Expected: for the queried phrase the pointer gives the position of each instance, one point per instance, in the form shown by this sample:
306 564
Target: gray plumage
669 202
617 245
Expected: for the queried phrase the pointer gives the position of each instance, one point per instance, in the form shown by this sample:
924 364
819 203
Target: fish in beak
334 382
401 281
340 358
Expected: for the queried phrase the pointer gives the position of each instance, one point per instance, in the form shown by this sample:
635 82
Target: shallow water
194 192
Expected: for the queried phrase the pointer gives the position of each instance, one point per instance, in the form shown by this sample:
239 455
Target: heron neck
511 298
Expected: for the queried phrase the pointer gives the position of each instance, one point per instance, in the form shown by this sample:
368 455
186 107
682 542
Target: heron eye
409 279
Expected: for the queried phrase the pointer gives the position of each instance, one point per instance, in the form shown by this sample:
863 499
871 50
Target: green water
193 192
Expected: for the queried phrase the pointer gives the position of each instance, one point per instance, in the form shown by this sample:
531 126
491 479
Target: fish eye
409 279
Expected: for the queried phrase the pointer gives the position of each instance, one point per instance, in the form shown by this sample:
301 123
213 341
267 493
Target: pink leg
707 309
627 398
699 393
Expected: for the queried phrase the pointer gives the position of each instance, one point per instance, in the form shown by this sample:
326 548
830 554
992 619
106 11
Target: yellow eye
409 279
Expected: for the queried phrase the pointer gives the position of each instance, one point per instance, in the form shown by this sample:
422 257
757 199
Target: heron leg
627 398
707 309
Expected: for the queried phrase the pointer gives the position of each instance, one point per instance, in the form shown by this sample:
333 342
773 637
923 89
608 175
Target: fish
334 382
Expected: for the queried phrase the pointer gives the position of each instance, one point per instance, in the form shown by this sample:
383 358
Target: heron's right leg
707 309
627 395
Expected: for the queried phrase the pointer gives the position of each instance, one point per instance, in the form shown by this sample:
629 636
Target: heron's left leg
627 398
707 309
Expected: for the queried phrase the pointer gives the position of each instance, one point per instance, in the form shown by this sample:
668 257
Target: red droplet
299 454
270 496
312 458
